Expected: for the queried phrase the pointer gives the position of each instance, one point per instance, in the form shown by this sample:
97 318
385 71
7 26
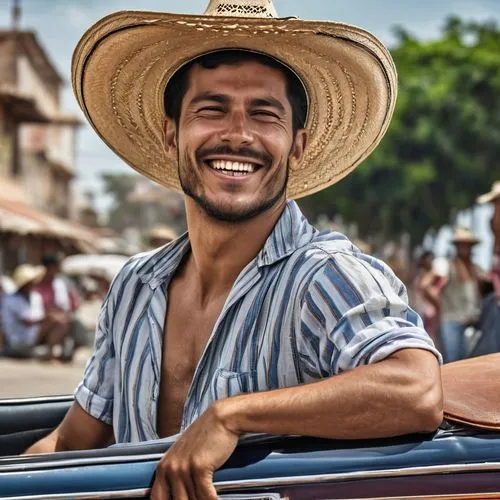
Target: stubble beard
217 212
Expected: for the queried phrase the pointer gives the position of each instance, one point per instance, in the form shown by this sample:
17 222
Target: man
459 299
53 289
59 301
253 321
25 321
489 341
494 197
426 288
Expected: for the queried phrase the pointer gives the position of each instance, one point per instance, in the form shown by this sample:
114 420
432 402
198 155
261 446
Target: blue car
458 461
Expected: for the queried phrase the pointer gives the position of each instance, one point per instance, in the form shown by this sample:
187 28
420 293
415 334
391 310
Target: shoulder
11 299
335 261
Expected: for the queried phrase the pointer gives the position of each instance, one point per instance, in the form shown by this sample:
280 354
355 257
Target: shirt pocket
227 383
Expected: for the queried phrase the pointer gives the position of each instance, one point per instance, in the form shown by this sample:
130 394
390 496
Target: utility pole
16 14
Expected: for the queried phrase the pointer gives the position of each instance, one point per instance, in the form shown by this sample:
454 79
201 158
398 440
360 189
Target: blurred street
24 378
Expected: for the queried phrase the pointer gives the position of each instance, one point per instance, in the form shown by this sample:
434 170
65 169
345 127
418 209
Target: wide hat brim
27 274
493 195
469 241
123 63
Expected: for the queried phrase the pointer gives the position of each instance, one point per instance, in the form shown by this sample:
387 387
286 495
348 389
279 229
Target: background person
25 321
60 300
489 323
459 298
426 289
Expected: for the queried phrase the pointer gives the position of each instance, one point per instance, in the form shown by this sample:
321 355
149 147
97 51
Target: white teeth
232 166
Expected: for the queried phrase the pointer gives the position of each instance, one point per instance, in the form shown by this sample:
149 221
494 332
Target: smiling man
253 321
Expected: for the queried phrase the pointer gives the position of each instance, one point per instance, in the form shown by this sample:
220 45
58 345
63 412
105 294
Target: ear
170 136
298 148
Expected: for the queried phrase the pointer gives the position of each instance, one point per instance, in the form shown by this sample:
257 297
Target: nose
237 131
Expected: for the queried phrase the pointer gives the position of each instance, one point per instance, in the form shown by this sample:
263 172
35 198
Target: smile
233 168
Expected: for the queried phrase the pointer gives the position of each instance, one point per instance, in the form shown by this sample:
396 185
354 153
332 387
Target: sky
60 24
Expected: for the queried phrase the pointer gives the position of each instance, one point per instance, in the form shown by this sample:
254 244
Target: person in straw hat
216 334
25 321
459 299
494 197
161 235
489 342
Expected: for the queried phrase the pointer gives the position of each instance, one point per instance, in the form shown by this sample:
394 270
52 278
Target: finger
205 488
160 489
178 487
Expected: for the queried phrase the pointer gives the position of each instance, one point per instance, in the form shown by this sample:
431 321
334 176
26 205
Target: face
426 262
234 141
52 269
464 250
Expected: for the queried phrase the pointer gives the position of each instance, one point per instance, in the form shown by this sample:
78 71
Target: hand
186 470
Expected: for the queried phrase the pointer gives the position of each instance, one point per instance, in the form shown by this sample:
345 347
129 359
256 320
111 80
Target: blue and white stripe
309 306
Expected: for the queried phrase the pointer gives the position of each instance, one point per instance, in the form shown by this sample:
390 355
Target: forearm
388 398
48 444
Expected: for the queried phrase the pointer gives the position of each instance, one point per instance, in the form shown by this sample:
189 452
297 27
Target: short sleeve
95 392
355 312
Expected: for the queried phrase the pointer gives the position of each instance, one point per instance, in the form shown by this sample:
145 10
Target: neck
221 250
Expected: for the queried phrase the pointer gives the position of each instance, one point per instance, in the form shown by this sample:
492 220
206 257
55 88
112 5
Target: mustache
224 149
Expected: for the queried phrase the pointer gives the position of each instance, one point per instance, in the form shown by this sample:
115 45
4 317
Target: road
25 378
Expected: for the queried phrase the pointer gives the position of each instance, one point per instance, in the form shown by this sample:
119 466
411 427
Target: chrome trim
350 476
75 462
36 399
274 482
448 496
94 495
411 471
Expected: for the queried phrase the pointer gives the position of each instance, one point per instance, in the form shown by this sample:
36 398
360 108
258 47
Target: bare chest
187 330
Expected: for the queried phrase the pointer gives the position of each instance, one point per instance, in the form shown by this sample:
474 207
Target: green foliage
123 213
443 145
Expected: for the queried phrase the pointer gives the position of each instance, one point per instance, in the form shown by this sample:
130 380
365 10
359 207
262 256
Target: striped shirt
309 306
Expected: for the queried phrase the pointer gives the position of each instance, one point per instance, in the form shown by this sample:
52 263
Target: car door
24 421
452 465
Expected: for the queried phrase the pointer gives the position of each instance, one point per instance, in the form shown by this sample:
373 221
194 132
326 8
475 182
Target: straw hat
493 195
26 273
123 63
162 232
464 235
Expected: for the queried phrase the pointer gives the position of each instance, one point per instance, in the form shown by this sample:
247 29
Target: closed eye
265 114
211 109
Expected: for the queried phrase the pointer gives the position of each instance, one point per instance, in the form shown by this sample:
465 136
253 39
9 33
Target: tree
140 203
122 213
443 145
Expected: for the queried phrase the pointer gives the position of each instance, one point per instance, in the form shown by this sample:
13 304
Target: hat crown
464 234
241 8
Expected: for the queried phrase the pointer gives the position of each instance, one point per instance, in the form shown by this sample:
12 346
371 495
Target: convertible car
459 461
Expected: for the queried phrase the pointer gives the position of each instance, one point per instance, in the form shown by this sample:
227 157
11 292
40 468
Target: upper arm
81 431
427 280
95 392
354 313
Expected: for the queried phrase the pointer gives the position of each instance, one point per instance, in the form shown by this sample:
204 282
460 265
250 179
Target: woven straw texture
122 65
